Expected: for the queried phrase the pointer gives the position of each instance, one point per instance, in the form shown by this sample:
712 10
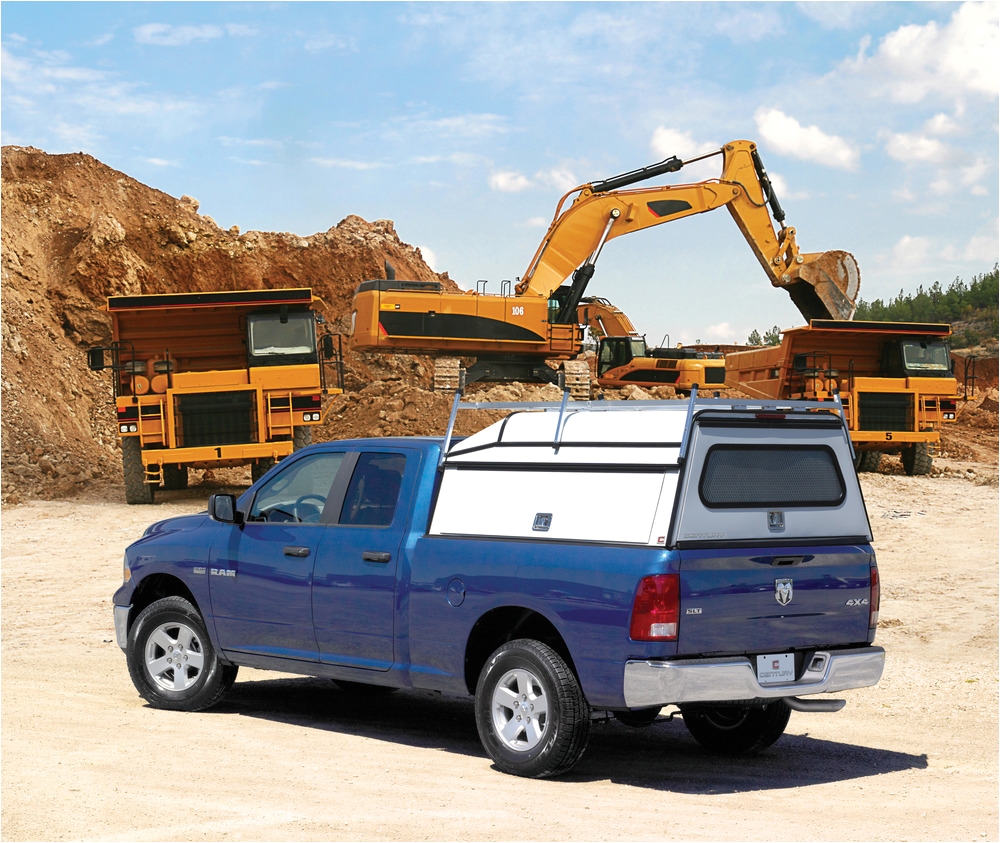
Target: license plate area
776 669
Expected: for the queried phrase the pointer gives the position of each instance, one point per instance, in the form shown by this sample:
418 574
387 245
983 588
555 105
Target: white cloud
165 35
721 333
914 147
161 162
561 178
955 59
910 251
984 248
326 41
667 142
835 15
537 222
787 136
941 124
509 182
782 190
345 164
429 257
750 22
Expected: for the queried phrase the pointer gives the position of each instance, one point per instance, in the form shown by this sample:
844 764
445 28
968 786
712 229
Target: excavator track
577 379
447 374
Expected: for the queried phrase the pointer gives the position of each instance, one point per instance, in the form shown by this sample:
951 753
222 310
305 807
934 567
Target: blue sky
466 122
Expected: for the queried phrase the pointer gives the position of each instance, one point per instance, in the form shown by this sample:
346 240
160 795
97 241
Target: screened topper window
762 475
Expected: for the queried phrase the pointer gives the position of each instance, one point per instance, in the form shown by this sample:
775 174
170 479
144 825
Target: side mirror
328 346
95 359
223 508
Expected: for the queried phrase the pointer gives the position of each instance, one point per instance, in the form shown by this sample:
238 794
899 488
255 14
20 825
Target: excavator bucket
825 285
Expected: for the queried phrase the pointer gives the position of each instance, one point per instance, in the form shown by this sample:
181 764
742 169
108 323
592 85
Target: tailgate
772 600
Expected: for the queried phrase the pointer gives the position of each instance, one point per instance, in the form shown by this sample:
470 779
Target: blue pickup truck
620 557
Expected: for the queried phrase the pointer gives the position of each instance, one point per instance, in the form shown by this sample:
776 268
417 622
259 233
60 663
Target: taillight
873 598
656 609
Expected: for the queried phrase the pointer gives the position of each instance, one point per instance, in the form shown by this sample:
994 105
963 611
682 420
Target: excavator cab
619 351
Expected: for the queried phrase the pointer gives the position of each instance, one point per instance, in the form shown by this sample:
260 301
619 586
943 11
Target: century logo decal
783 591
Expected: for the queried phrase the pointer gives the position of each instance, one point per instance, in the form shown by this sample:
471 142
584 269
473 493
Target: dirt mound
74 232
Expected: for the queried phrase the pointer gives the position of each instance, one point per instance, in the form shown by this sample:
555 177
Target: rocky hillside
74 232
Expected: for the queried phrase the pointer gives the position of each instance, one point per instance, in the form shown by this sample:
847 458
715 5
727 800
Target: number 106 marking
517 310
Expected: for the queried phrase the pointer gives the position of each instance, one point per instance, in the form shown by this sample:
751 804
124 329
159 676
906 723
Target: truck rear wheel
868 461
917 459
137 490
175 477
532 717
737 730
260 468
171 660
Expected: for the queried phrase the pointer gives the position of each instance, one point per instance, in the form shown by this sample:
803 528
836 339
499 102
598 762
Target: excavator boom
823 285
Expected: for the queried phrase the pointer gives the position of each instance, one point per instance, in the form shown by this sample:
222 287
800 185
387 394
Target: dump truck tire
175 477
917 460
260 468
137 490
868 461
303 437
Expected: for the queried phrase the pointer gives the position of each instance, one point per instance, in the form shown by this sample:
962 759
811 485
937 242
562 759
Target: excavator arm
604 319
823 285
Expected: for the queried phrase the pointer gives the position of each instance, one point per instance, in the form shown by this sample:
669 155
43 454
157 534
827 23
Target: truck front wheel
171 660
917 459
737 730
137 490
532 717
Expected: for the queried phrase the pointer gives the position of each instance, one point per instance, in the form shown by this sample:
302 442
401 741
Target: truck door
354 583
261 572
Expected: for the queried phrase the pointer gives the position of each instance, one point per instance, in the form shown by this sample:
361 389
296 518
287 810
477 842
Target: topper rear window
771 475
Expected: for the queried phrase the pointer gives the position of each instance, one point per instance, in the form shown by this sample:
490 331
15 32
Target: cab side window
298 494
374 490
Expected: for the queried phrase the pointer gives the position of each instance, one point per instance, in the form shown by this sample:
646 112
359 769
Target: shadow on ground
661 757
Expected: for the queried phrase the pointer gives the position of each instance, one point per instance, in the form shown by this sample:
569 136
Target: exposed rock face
74 232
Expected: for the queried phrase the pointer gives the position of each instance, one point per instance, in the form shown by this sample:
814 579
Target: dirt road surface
288 758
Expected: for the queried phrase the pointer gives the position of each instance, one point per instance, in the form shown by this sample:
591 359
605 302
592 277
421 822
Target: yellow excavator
623 358
513 334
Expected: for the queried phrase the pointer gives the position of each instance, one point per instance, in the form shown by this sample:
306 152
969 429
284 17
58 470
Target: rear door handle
297 551
375 556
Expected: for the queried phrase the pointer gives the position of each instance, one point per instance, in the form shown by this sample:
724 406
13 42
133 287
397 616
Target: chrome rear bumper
649 683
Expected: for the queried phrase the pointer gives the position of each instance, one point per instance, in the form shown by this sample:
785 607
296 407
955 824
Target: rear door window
770 475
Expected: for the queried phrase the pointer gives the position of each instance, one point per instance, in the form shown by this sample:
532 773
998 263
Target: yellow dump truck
203 380
895 380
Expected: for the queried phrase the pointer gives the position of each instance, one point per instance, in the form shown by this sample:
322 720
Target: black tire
868 461
165 631
526 678
736 730
260 468
175 477
638 718
137 490
917 460
303 436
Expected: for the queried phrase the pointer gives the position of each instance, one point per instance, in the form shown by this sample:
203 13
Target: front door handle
301 552
375 556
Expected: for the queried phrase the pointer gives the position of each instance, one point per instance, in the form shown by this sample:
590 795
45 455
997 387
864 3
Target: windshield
270 337
926 356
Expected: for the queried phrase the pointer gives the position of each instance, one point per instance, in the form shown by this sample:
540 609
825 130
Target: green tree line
972 304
